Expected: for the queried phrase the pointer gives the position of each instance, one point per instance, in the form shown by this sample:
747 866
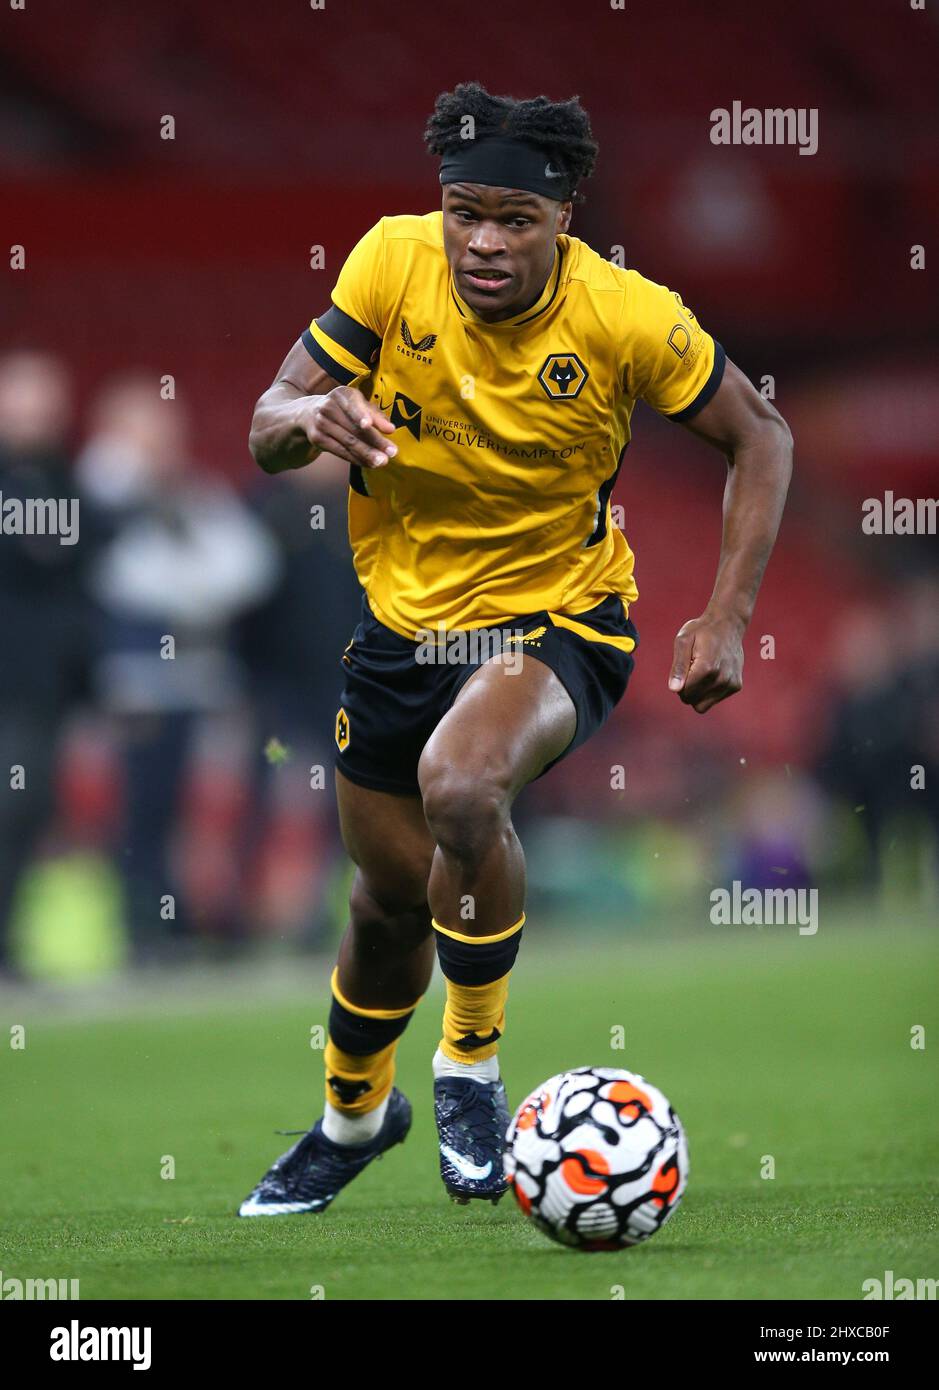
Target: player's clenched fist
346 424
707 665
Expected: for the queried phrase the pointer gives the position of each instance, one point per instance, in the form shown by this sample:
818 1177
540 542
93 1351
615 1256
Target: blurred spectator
186 560
44 611
864 738
884 723
774 823
916 711
293 645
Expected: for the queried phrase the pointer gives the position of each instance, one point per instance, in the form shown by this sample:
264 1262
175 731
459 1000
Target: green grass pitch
766 1043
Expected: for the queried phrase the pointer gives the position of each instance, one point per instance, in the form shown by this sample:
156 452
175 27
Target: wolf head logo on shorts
342 730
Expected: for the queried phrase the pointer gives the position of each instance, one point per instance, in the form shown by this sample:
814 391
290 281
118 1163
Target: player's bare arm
306 412
707 665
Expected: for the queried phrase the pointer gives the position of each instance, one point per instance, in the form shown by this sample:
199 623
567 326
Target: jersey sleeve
671 363
346 339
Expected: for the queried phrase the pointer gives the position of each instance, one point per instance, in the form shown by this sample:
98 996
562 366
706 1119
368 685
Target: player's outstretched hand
346 424
707 665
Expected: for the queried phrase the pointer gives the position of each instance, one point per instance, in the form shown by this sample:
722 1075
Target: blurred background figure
45 617
292 645
882 754
186 559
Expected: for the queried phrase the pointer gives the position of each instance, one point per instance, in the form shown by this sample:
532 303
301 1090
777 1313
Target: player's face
500 245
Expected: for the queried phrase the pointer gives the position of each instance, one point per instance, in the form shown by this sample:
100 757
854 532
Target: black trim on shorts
372 783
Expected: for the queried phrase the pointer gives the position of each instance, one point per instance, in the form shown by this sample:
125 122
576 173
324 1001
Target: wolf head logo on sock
470 1041
348 1091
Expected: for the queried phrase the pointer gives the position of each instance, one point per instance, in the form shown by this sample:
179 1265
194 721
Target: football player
478 369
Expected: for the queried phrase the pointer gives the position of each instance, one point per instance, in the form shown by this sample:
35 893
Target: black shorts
392 701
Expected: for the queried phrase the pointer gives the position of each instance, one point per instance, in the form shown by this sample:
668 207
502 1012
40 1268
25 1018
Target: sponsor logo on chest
418 349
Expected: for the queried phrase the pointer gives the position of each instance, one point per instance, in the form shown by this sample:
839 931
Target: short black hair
561 128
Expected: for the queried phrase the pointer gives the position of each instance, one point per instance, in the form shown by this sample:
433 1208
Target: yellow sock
360 1052
476 969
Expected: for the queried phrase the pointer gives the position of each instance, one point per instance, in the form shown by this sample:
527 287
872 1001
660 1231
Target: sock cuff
361 1012
479 940
480 960
466 1060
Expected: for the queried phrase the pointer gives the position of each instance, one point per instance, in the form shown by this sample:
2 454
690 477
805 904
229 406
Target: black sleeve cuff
329 364
707 390
358 340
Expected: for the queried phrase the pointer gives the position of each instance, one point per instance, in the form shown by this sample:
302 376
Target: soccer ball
597 1158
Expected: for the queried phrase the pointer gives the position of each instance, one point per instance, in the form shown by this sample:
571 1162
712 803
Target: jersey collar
534 311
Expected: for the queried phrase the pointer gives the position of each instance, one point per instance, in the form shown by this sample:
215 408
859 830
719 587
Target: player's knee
464 809
391 916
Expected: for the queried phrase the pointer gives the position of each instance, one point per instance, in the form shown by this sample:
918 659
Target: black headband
501 162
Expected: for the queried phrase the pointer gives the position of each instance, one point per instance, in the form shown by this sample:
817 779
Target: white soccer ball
597 1158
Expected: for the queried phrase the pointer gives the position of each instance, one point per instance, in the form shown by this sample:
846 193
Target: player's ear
564 216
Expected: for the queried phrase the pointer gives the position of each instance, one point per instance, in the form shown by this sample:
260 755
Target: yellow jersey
510 435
